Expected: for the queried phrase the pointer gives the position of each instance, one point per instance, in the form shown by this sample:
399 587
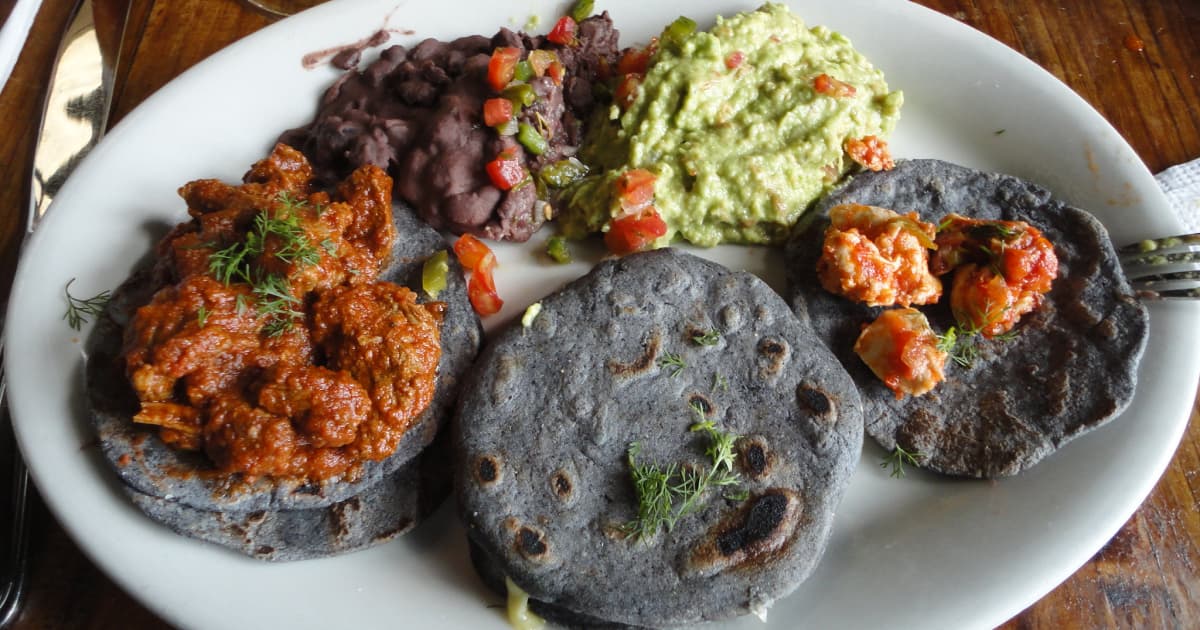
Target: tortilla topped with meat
148 465
1070 366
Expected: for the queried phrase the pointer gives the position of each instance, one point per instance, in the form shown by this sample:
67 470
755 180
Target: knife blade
74 117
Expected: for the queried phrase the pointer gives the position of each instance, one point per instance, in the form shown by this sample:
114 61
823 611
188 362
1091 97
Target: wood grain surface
1134 61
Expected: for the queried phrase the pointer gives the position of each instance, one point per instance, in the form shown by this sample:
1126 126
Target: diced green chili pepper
561 173
433 273
523 71
521 95
678 30
556 249
531 139
582 10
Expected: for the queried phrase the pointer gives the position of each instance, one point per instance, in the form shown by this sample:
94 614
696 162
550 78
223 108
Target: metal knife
74 117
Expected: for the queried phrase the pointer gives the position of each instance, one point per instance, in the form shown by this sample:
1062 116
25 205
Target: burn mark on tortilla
562 485
698 401
815 402
765 515
755 458
773 355
641 364
531 543
487 470
748 536
402 526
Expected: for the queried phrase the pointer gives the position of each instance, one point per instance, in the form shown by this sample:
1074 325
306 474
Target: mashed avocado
731 124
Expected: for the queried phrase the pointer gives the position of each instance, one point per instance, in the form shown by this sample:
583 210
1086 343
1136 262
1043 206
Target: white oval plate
915 552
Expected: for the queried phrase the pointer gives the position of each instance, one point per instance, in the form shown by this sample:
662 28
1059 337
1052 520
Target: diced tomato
502 66
829 86
735 59
563 32
556 72
871 152
481 290
480 261
506 171
635 232
635 190
497 111
627 89
636 61
474 254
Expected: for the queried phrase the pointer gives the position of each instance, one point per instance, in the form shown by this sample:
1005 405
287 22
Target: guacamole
733 126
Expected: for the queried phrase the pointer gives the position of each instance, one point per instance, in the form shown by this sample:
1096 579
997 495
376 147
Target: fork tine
1170 247
1164 268
1139 270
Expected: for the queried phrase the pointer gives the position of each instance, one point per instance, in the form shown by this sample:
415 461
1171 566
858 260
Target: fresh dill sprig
294 245
79 309
962 343
898 458
672 362
272 292
274 299
709 338
666 495
231 264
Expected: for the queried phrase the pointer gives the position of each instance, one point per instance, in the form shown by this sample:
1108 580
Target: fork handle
16 568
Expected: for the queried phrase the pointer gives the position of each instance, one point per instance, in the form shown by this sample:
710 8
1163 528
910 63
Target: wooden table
1147 576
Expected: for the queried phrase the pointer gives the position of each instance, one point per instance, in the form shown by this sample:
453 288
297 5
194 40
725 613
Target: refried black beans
419 114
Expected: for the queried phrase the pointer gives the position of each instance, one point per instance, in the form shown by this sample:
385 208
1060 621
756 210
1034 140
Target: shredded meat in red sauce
292 361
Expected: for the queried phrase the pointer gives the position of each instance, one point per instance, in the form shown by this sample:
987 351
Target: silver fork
1166 267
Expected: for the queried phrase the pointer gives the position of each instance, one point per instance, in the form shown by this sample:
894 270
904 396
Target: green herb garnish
78 310
709 338
666 495
672 362
898 458
959 345
272 292
274 300
201 316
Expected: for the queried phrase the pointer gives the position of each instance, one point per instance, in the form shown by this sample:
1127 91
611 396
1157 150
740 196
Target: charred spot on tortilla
563 519
152 468
1066 368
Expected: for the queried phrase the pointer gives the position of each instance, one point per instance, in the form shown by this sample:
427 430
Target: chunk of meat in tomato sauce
1002 270
348 239
901 349
878 257
265 400
389 342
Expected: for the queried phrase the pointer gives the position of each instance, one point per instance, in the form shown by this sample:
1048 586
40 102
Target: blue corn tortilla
151 468
1071 367
390 508
549 412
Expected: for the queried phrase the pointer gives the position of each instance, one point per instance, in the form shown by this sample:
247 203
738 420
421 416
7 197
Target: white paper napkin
13 33
1181 184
